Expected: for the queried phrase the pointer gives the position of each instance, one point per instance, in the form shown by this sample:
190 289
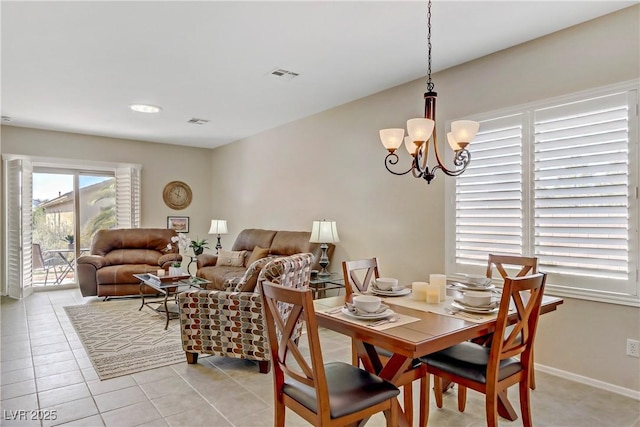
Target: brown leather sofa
278 243
116 255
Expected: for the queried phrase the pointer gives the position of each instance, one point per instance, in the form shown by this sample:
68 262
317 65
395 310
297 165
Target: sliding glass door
68 207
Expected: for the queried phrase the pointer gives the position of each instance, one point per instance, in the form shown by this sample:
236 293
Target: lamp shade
410 146
324 232
218 226
464 130
452 142
420 129
391 138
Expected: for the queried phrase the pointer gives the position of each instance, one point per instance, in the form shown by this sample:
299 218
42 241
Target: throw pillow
258 253
231 258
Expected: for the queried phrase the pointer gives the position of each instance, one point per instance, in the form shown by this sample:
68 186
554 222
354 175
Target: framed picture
178 223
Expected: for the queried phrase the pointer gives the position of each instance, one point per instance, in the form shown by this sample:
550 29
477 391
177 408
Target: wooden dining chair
523 265
491 370
332 394
358 275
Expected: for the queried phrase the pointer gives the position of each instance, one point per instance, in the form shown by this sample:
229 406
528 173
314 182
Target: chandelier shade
464 131
391 138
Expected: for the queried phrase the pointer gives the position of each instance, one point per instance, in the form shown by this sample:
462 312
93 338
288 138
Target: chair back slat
524 294
352 270
527 265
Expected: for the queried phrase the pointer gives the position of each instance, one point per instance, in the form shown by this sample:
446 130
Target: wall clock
177 195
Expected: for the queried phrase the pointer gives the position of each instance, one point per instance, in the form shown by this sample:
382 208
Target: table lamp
218 226
324 232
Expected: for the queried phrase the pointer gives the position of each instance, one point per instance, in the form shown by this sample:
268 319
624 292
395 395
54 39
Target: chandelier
422 135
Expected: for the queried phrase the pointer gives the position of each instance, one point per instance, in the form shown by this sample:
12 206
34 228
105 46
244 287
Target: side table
168 286
321 284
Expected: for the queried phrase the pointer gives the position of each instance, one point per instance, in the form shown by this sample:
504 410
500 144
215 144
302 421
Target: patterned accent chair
230 323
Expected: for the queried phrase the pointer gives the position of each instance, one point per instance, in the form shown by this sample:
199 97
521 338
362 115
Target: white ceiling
76 66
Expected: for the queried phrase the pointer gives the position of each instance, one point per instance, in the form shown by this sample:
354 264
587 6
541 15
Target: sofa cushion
218 275
231 258
133 256
122 274
249 281
252 237
105 241
257 253
287 243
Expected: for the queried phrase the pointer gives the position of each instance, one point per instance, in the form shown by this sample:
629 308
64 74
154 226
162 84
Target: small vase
175 271
198 251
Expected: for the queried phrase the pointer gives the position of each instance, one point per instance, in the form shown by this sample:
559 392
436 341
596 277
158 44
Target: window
557 180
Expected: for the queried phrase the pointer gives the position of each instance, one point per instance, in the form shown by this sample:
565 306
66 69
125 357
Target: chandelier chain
430 84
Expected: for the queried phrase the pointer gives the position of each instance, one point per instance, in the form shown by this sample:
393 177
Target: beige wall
161 163
330 165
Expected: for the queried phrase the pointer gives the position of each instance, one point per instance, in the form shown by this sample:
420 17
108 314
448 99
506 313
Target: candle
433 294
160 273
419 291
439 280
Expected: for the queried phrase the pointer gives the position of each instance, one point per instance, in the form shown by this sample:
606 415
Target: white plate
373 316
398 293
472 287
494 304
474 309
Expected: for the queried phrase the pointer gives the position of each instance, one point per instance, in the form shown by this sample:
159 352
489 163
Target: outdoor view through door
68 207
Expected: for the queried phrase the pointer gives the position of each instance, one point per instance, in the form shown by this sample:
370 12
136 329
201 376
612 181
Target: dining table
67 262
415 329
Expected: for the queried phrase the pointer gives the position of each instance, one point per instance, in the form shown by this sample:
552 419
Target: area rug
120 340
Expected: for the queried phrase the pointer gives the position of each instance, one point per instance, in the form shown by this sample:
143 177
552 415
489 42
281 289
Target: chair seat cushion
350 390
469 360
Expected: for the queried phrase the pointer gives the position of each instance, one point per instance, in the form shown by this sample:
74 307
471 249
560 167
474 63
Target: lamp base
218 245
324 273
324 261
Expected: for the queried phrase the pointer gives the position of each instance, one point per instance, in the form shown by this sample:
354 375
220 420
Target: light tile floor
45 368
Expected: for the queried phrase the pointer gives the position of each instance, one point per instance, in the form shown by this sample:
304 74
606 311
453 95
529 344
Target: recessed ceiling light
145 108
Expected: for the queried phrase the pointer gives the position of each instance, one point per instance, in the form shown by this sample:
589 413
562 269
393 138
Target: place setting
387 287
368 310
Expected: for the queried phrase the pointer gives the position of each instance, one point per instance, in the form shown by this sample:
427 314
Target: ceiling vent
195 121
283 74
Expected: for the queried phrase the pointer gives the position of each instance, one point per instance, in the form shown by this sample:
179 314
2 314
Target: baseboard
589 381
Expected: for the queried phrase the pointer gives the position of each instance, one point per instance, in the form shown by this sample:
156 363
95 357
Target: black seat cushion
350 390
469 360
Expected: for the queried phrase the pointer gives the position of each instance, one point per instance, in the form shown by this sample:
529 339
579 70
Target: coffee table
167 286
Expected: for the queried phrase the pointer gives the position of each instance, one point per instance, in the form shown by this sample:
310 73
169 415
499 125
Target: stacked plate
478 309
362 315
474 282
393 292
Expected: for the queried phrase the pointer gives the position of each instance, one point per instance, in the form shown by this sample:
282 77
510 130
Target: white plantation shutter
19 216
582 190
559 181
488 196
128 197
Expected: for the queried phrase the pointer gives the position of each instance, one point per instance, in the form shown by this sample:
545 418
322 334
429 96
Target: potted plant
199 245
69 239
175 269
